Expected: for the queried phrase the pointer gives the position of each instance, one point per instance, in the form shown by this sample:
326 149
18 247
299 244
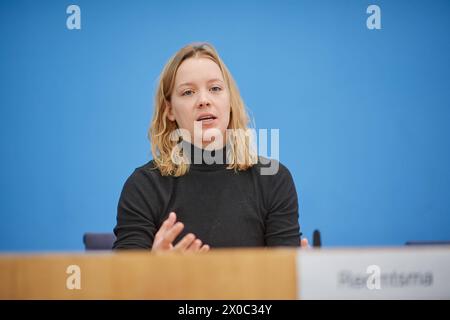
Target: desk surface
218 274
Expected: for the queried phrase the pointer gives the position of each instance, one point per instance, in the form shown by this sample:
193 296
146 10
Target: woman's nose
203 100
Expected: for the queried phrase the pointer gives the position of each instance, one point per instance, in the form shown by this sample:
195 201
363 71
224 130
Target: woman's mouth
207 120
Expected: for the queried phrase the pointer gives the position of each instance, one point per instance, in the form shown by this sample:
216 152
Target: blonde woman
204 187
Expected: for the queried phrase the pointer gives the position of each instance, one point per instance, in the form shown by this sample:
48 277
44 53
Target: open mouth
207 119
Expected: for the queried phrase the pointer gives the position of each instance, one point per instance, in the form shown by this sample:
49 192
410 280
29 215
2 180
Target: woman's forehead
197 70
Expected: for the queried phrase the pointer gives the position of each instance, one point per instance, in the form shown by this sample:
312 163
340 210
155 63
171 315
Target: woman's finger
159 242
184 243
195 245
171 234
304 243
168 223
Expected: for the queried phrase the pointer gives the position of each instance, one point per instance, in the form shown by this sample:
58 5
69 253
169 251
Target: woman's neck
201 155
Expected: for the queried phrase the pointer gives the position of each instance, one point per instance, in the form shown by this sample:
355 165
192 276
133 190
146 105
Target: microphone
317 242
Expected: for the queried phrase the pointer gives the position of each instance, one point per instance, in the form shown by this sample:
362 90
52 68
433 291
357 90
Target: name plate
391 273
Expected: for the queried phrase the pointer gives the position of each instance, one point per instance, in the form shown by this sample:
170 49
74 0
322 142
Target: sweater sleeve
282 226
136 225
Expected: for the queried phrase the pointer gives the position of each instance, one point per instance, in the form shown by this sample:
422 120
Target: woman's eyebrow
185 84
214 80
191 83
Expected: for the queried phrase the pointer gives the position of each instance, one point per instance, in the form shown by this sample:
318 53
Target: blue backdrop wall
363 114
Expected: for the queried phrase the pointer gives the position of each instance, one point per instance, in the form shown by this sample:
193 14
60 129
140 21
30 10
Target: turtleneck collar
205 159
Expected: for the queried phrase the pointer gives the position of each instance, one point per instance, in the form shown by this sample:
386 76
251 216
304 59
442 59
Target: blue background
363 114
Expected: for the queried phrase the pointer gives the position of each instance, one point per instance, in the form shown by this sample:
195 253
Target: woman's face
200 100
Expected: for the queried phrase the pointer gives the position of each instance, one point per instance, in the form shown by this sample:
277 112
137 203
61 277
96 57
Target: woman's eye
216 88
187 93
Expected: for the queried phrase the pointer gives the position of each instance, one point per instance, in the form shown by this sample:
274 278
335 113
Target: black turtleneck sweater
223 208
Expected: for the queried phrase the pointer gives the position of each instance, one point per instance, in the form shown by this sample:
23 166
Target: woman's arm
136 225
138 213
282 226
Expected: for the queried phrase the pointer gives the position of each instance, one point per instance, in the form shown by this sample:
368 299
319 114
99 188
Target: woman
204 188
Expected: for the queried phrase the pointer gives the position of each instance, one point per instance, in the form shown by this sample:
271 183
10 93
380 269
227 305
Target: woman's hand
304 243
166 235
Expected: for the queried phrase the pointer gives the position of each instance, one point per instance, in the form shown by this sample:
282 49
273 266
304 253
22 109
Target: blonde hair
240 154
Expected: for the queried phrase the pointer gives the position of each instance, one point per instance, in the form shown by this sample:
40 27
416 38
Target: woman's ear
169 112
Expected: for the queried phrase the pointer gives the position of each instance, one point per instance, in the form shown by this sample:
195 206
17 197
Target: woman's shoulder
146 174
148 168
271 168
275 181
